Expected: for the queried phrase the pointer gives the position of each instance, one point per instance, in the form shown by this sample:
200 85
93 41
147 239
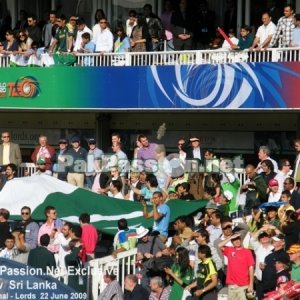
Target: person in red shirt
240 268
89 236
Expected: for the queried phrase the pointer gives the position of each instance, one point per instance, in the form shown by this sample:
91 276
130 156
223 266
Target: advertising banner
228 86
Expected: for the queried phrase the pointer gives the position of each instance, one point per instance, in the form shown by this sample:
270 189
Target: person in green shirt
294 253
204 288
181 272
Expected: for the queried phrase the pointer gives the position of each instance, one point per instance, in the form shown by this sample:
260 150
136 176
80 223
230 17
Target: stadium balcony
167 58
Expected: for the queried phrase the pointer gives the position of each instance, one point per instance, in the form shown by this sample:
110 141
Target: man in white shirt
264 33
131 22
102 37
81 28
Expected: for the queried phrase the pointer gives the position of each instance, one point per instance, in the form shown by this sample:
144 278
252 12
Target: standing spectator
230 15
207 276
268 282
121 41
182 26
99 14
93 160
166 17
49 29
4 226
131 22
22 249
204 26
233 39
89 236
240 268
296 173
284 171
273 188
10 173
215 228
155 28
245 38
160 213
289 184
34 31
41 257
59 160
134 291
285 26
194 158
294 253
135 183
102 37
116 189
22 22
255 189
9 152
77 168
264 33
63 40
295 42
49 227
62 239
263 154
268 170
81 28
260 242
181 272
146 154
112 290
29 227
140 38
43 152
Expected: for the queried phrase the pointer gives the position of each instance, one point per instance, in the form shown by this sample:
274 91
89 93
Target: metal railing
121 266
193 57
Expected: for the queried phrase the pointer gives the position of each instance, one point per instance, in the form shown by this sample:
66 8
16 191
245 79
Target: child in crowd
9 251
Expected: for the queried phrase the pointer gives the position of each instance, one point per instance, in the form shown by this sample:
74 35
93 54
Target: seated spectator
180 272
112 290
282 264
285 197
217 41
183 191
82 29
233 39
257 219
290 228
274 194
294 253
9 251
10 173
158 290
24 42
172 194
10 44
121 41
134 182
134 291
207 276
184 231
272 217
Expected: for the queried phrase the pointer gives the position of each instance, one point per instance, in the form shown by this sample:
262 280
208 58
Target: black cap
263 234
75 139
283 258
92 141
63 141
297 17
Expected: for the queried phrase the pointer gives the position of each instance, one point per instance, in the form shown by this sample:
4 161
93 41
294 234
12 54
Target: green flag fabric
39 191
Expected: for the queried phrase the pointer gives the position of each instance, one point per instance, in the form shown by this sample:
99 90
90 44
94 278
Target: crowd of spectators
246 239
179 27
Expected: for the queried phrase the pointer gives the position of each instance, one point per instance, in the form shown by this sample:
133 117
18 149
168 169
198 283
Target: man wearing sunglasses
9 152
28 226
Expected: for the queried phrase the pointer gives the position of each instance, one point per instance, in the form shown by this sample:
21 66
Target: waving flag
39 191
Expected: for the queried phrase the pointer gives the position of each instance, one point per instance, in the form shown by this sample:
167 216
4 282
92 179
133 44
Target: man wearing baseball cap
294 253
268 270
